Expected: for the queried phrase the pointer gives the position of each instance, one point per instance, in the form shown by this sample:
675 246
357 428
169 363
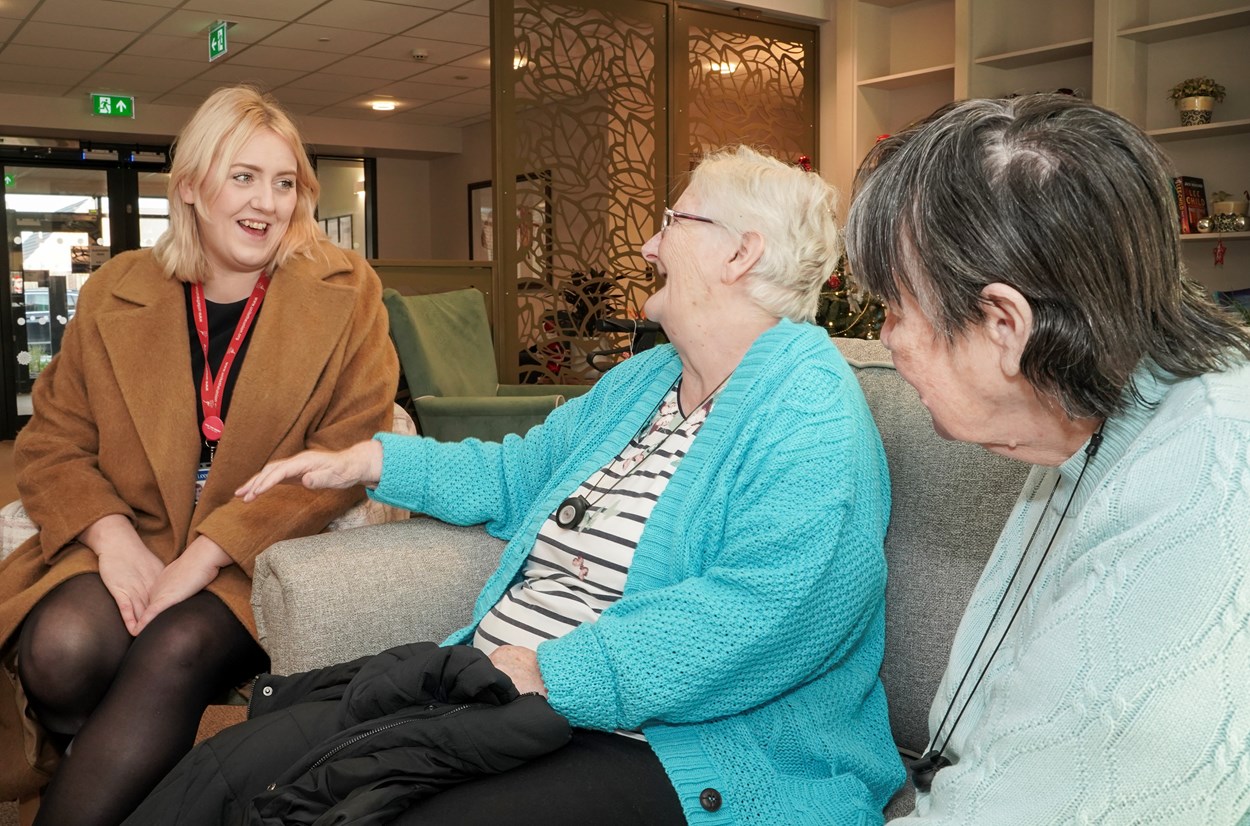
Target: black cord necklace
928 765
574 509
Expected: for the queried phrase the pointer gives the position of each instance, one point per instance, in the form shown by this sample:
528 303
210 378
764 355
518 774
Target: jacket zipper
251 695
367 734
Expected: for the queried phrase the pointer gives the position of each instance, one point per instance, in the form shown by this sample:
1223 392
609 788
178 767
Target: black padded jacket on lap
358 742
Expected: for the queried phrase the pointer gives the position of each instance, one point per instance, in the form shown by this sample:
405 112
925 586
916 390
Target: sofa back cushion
949 501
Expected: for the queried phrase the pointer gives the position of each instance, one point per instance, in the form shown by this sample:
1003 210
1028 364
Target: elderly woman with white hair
694 577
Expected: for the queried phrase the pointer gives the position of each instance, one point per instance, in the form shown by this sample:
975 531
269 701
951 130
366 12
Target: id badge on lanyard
212 389
201 478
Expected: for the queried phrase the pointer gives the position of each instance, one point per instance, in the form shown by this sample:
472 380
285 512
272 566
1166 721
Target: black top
222 319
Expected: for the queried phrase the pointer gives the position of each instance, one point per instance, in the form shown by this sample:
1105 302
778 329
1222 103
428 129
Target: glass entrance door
58 233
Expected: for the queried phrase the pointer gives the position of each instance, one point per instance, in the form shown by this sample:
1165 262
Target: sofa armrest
15 527
567 391
489 418
334 597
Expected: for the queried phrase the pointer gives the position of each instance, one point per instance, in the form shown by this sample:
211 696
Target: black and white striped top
572 575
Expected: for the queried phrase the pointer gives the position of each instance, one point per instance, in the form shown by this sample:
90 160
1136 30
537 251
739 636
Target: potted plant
1196 97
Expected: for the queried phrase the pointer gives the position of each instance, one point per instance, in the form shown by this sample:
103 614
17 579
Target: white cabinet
900 59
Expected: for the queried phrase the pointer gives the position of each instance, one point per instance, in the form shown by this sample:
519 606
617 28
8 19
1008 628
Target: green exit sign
112 106
9 180
217 40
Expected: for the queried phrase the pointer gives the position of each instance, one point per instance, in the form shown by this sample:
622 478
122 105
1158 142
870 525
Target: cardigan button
710 799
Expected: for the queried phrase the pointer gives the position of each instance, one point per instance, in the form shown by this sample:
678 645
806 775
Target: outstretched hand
360 464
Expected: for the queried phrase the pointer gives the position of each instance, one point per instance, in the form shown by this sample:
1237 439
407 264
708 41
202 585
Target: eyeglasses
670 215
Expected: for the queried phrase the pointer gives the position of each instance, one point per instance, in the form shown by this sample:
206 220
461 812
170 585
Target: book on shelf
1191 200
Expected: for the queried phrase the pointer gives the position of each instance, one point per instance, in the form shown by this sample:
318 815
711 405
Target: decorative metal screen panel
747 81
583 149
587 151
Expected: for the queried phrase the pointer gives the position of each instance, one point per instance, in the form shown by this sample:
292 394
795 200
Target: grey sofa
336 596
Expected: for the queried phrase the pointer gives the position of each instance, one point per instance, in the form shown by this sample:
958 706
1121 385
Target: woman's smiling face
249 217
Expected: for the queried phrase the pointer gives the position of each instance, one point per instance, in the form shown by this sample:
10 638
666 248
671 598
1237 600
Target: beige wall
405 204
449 194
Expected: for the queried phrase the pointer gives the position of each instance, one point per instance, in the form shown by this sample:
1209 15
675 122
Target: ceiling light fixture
519 61
725 68
383 105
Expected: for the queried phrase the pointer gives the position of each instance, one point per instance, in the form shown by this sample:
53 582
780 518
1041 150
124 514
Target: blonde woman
129 611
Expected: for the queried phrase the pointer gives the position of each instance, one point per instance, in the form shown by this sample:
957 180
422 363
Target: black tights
130 704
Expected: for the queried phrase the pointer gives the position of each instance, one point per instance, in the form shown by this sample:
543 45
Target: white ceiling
325 58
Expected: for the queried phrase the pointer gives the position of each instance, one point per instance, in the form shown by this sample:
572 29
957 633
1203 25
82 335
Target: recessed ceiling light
383 105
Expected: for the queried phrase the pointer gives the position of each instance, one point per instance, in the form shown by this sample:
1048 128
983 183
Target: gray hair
791 208
1066 202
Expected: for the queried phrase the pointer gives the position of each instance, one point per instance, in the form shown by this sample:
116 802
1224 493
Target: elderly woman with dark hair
694 577
1029 253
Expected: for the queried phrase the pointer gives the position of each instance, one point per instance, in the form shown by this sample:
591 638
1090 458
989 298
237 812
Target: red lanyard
211 390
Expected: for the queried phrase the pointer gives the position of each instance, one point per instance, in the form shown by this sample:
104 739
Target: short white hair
792 209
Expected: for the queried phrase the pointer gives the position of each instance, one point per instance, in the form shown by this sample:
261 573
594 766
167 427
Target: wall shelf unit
898 60
1039 55
1211 236
1206 130
1189 26
906 80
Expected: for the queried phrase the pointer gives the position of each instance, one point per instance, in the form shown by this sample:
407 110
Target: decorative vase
1196 110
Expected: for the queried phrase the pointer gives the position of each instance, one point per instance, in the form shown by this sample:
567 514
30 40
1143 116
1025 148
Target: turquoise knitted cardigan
1120 695
747 643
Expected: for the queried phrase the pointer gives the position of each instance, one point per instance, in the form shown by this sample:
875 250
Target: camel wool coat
115 432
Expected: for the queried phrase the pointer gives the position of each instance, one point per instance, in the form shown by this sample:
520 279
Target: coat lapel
148 347
299 327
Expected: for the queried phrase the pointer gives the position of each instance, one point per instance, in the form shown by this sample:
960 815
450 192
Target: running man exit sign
217 40
112 106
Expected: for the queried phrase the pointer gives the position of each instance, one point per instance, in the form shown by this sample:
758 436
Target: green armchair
445 350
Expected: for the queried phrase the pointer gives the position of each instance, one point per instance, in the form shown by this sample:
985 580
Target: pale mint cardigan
747 644
1122 693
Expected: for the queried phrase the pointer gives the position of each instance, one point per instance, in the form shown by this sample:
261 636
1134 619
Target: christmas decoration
1220 249
844 310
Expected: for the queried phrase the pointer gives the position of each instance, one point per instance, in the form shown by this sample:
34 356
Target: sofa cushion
949 502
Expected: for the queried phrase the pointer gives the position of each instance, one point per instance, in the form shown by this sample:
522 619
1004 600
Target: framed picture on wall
533 226
481 229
